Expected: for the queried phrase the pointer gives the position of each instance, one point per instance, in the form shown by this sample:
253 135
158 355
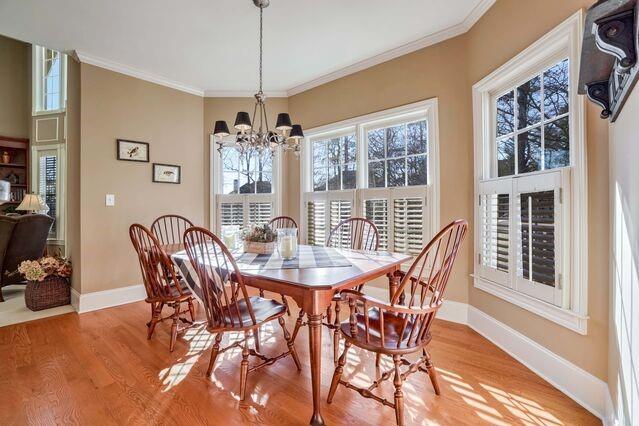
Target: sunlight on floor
528 411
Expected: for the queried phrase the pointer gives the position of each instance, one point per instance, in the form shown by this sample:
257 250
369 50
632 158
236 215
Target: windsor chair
161 282
397 329
170 228
228 306
356 233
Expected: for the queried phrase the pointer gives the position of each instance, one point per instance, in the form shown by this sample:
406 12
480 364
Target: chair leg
288 309
337 375
151 324
298 324
336 334
289 343
378 359
244 368
256 338
399 395
432 373
192 310
261 293
174 327
214 351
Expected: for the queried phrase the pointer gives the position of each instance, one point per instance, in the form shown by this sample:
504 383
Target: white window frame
563 41
60 150
426 110
37 94
217 196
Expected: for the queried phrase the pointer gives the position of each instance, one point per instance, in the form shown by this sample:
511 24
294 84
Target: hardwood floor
99 369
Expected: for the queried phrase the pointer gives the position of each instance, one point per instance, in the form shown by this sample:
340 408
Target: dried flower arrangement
47 266
259 239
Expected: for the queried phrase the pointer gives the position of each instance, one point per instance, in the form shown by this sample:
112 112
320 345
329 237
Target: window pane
264 182
556 90
247 184
319 165
334 178
418 138
506 157
396 141
529 103
266 162
396 172
334 151
417 170
376 144
230 183
537 213
529 150
230 159
377 212
556 144
349 149
376 174
505 114
348 176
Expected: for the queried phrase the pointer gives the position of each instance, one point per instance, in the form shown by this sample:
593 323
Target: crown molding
134 72
243 94
431 39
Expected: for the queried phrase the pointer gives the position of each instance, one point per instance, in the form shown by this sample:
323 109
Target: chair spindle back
281 222
356 233
224 293
170 228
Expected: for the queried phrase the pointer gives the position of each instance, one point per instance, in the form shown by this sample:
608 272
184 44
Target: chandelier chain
261 12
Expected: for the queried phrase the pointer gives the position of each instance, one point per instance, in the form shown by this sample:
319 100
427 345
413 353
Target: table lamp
33 203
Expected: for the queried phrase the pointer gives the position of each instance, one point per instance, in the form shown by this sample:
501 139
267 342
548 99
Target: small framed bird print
133 150
167 173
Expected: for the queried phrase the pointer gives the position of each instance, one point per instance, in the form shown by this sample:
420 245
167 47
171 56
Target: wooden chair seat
394 338
264 310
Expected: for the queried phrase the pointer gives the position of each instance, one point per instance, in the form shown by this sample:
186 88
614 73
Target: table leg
393 282
315 350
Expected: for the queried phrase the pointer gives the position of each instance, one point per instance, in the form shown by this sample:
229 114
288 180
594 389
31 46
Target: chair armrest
356 296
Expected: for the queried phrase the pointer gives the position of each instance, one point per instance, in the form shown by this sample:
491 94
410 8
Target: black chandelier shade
221 129
296 132
283 122
242 121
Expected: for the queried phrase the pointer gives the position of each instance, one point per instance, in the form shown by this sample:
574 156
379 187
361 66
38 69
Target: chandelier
252 136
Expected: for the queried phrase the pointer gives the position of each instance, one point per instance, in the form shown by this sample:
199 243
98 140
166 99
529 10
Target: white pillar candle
288 246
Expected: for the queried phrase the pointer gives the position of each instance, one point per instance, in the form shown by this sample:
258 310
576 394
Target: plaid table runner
309 257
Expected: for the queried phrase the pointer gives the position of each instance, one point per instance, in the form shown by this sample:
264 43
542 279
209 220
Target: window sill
571 320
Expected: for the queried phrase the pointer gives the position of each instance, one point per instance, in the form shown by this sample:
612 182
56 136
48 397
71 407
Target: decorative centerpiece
259 239
48 282
287 243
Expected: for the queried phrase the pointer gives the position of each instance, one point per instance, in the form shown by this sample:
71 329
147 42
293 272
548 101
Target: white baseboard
108 298
587 390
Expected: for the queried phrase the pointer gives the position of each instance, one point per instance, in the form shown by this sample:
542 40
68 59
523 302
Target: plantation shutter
259 213
537 229
494 230
376 211
316 222
48 184
340 210
231 214
408 225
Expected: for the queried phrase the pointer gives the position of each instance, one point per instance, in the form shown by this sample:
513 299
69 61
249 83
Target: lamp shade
5 191
221 129
242 121
283 121
296 132
32 203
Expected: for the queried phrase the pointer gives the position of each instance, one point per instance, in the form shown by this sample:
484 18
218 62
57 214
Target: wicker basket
259 248
52 292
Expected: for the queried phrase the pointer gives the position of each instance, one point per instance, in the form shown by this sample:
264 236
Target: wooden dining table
312 288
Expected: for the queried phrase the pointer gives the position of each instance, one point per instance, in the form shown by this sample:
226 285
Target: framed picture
166 173
132 150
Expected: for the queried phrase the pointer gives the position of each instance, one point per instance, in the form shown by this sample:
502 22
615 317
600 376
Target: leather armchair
21 238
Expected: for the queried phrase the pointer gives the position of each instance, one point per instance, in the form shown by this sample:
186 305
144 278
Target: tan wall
117 106
623 371
73 243
226 109
15 90
447 71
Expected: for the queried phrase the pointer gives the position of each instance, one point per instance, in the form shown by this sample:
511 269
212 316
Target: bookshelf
14 167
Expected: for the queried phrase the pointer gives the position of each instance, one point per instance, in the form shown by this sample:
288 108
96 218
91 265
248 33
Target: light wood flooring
98 369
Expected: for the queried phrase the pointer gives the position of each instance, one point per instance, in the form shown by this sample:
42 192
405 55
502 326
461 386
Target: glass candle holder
287 243
229 236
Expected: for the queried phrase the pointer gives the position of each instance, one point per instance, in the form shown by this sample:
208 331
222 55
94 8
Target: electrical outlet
110 200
